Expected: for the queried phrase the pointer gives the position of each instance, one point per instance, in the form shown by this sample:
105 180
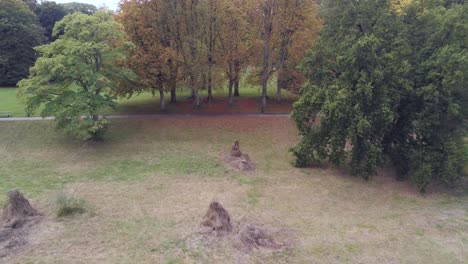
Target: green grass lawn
9 102
150 181
146 103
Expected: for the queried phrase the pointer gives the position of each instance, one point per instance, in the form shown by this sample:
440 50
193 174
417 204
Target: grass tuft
68 205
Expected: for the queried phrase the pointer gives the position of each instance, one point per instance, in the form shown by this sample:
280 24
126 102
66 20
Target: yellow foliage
398 5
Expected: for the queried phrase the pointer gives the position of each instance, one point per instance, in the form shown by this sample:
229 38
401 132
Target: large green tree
76 75
19 34
386 83
84 8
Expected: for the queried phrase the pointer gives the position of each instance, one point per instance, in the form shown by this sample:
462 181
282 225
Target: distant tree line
204 43
198 44
387 84
24 25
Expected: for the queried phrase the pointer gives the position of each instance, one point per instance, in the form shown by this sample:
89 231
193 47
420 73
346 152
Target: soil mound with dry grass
17 220
218 219
243 235
252 237
239 161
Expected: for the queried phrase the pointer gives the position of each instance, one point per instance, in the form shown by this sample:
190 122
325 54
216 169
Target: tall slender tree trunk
210 93
197 98
236 87
280 83
237 70
173 82
231 82
173 95
162 100
282 64
193 95
267 24
210 82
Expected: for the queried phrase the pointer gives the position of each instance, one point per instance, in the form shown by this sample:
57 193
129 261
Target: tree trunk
173 83
162 100
280 83
210 95
237 69
194 94
236 88
197 98
282 65
267 24
173 95
231 82
210 84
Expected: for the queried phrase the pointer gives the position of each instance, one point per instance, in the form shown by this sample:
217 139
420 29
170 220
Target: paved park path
151 116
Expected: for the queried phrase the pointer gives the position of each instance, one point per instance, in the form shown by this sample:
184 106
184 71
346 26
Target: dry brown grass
334 218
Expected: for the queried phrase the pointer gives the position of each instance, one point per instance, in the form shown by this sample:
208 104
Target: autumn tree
211 27
236 37
77 74
268 12
297 25
194 47
153 60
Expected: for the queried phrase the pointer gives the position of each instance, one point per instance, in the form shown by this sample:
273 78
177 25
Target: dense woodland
25 25
381 81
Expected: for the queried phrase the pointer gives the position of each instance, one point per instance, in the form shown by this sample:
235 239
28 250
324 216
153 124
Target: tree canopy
20 33
201 43
49 13
75 76
84 8
387 84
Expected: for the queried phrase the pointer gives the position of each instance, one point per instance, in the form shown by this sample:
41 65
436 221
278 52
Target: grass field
150 182
9 102
146 103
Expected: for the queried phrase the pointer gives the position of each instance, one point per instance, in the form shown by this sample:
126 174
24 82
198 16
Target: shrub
69 205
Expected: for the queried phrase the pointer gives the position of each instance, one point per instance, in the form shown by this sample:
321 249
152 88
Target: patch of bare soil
244 235
238 160
17 221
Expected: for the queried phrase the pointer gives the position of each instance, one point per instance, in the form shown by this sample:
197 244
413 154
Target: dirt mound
254 237
17 219
239 161
242 235
235 150
218 219
17 211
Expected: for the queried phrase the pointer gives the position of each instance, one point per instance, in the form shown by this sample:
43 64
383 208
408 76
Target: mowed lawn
146 103
150 182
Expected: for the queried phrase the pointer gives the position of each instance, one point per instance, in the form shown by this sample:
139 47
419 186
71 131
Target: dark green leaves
19 34
387 85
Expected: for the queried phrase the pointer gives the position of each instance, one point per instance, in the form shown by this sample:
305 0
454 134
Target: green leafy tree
75 76
19 34
84 8
428 136
386 84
